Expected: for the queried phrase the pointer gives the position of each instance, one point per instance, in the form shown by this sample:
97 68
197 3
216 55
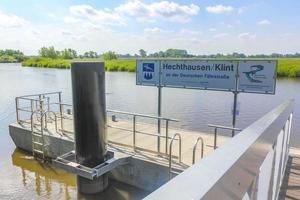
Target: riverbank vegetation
287 67
11 56
49 57
110 65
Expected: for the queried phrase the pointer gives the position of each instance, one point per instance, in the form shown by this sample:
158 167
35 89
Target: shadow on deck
290 188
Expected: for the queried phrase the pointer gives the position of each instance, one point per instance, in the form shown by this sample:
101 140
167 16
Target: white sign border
256 92
209 89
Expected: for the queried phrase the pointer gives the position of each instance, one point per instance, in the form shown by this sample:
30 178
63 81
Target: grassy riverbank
113 65
287 67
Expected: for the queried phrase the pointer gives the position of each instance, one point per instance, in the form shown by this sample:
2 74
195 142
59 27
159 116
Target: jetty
150 153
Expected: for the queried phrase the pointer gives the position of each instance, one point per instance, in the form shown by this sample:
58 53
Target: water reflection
45 177
52 183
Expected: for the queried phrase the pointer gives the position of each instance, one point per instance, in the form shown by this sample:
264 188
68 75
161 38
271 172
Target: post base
87 186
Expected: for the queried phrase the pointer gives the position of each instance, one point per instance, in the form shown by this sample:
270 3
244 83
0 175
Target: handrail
55 119
141 132
41 102
250 166
31 95
224 127
134 131
195 147
141 115
170 153
64 104
31 119
221 127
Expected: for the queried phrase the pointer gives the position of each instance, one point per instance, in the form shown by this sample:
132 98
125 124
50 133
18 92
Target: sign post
159 115
234 111
247 76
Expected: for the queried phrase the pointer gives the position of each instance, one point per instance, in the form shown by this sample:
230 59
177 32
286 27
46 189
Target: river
24 178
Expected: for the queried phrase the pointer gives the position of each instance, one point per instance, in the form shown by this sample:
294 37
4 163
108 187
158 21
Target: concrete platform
62 142
147 169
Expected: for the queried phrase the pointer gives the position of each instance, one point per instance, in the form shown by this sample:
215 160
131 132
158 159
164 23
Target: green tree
142 53
110 55
49 52
68 54
10 55
90 54
176 53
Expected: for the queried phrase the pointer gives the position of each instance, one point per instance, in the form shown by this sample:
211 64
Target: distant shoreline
287 67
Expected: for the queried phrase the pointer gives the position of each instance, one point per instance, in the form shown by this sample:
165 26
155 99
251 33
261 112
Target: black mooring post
88 86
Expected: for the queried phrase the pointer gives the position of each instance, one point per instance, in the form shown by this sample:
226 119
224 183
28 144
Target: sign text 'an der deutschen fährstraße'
241 76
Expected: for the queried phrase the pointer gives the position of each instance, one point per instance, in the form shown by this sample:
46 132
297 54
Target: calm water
23 178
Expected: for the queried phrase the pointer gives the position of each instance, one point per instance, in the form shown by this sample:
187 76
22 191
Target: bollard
89 108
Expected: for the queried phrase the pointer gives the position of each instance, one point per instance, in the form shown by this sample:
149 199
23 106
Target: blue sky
201 27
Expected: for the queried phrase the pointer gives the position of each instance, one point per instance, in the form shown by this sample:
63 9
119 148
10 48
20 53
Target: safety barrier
249 166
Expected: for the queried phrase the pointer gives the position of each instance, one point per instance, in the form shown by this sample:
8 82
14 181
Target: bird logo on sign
148 71
252 76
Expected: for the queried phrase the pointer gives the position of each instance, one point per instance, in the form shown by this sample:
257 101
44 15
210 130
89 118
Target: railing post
134 127
167 135
48 103
41 109
61 111
215 138
31 105
45 120
17 109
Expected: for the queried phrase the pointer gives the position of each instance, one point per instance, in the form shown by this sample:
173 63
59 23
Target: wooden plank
290 188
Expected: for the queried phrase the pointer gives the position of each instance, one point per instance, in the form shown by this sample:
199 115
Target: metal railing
250 166
51 104
195 148
170 152
135 131
31 103
216 127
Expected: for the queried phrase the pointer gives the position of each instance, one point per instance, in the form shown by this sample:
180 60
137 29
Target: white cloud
241 10
35 32
66 32
264 22
219 9
155 31
11 21
80 38
212 29
185 31
221 35
97 16
152 12
246 36
71 20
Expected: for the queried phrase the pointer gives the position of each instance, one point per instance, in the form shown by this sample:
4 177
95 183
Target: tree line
10 55
181 53
50 52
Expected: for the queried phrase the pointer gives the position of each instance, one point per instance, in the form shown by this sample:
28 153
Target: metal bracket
68 163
